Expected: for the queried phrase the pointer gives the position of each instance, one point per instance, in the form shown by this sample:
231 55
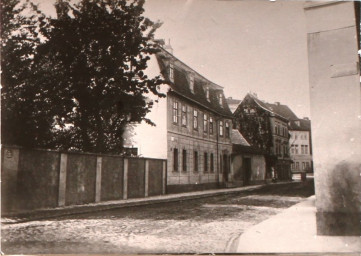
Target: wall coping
77 153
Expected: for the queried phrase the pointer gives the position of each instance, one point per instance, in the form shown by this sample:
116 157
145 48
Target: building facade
193 129
264 127
199 125
300 145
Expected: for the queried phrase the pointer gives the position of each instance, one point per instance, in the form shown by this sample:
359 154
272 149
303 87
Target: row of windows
281 149
295 151
302 136
208 122
281 130
296 166
191 85
208 161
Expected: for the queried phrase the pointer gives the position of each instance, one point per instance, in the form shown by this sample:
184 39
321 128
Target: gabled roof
181 87
237 138
282 110
279 110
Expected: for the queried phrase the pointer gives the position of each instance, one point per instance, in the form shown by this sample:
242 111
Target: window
220 128
195 161
276 129
220 99
175 112
307 165
210 125
175 159
195 119
292 149
212 163
227 130
296 149
297 166
302 149
205 162
207 93
306 149
171 72
292 166
303 166
184 158
191 83
205 123
184 115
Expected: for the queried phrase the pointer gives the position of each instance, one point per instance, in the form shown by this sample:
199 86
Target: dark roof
282 110
241 149
237 138
278 109
230 100
300 125
181 85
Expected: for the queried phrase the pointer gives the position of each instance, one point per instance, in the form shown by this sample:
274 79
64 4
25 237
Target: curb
109 205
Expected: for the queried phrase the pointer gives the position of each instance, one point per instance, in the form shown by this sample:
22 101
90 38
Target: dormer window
171 72
207 93
191 83
220 99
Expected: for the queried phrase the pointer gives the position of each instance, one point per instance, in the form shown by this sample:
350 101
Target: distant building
193 128
265 126
300 145
233 103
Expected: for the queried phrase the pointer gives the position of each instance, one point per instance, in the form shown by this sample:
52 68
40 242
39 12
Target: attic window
171 72
191 83
220 99
207 93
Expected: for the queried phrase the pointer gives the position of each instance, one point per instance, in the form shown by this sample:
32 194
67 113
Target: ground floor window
175 159
205 162
184 160
297 166
212 163
195 161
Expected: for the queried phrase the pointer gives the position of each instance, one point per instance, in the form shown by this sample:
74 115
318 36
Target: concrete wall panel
136 178
80 179
112 178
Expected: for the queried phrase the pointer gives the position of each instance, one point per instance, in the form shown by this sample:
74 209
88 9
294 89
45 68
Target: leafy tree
89 73
23 120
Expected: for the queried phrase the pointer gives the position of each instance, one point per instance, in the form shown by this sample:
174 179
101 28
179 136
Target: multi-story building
193 128
264 126
300 145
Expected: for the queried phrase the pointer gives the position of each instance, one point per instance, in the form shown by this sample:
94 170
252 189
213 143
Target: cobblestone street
192 226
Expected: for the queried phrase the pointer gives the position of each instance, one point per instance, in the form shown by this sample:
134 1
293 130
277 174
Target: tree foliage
87 78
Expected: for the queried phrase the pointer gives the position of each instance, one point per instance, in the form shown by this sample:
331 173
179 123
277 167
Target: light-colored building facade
193 129
300 145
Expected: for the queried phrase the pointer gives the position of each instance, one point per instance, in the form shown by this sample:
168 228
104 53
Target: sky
245 46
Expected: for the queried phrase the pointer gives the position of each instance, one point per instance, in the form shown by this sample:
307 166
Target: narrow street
193 226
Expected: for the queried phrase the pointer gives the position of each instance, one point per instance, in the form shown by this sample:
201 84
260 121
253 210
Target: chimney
229 98
168 47
277 103
306 118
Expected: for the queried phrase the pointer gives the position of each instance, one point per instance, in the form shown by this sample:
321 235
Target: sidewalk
294 231
107 205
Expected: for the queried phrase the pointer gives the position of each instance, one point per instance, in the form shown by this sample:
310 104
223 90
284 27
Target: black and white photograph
180 127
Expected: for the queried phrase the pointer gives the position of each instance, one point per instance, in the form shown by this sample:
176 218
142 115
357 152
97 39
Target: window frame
184 160
175 160
184 120
175 112
220 128
195 119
